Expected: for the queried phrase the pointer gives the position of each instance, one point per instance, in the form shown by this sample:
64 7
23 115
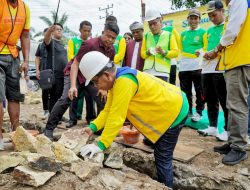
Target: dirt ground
207 162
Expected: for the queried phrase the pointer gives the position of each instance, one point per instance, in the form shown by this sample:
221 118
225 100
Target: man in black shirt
57 52
41 60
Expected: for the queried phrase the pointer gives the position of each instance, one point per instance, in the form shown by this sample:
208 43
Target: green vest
160 63
116 44
77 44
192 40
214 35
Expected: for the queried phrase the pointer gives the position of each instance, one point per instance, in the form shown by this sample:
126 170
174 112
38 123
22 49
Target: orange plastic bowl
130 136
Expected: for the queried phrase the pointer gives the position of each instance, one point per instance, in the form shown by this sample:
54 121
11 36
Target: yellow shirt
26 27
70 49
121 52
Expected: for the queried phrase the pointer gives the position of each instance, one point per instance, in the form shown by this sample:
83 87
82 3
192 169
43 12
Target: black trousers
45 99
64 102
187 78
90 108
55 93
215 93
172 75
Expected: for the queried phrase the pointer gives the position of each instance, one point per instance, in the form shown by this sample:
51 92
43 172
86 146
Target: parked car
32 72
32 75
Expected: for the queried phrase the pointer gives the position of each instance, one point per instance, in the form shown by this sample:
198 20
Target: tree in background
177 4
67 33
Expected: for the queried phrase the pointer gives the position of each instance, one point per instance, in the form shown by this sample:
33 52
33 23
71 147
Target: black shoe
71 124
49 134
64 119
224 149
148 142
234 157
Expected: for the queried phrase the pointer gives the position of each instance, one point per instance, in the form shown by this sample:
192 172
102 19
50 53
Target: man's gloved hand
90 148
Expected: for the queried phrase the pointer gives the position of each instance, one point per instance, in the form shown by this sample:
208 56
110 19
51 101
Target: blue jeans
163 152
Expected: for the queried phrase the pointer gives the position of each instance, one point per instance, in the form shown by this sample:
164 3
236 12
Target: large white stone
85 169
10 161
26 175
63 154
24 141
115 159
74 140
44 146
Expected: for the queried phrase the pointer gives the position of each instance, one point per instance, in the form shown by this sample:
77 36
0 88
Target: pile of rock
38 159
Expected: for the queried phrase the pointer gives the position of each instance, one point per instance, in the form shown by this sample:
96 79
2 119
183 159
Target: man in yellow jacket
14 25
156 108
235 60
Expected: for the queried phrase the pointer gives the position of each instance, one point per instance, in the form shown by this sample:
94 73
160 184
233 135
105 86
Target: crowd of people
133 77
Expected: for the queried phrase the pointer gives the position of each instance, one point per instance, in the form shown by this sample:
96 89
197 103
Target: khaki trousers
237 83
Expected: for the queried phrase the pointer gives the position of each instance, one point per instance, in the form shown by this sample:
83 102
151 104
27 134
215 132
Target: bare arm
73 77
73 73
25 43
48 35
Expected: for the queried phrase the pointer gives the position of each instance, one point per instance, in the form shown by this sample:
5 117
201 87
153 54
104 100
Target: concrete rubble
28 176
38 160
8 161
85 169
73 139
24 141
44 146
43 163
186 176
115 159
75 172
64 154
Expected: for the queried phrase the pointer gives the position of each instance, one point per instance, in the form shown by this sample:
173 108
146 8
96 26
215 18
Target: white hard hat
91 64
152 15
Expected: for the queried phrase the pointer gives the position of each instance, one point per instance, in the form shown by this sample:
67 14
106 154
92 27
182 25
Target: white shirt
208 66
237 13
135 55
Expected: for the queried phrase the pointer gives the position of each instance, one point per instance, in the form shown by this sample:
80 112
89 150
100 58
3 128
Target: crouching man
156 108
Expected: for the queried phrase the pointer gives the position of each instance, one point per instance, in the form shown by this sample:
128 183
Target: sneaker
234 157
196 117
224 149
1 144
210 131
45 114
222 136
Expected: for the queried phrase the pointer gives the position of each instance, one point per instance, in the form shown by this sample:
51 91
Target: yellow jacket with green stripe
120 50
237 54
149 103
